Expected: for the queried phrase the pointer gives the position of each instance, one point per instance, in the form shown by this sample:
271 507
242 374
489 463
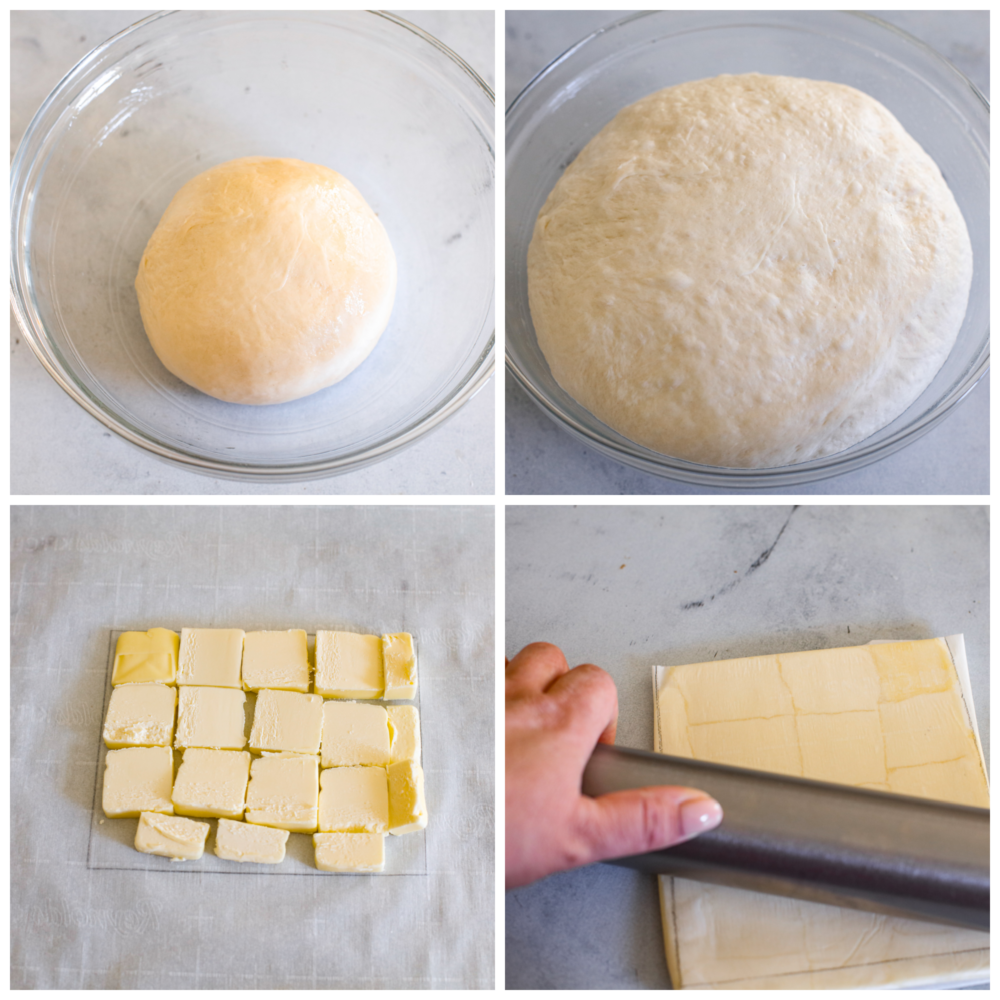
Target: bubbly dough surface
749 271
266 280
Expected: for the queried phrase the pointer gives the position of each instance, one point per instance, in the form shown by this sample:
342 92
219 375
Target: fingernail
699 815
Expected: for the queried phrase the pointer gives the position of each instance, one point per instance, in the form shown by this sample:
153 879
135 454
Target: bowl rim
665 466
475 378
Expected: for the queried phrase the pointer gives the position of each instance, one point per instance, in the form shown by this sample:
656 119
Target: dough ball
749 271
266 280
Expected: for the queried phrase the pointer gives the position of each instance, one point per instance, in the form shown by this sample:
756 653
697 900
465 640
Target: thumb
644 819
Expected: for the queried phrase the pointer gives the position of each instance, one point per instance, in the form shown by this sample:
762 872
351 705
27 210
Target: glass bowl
370 95
573 98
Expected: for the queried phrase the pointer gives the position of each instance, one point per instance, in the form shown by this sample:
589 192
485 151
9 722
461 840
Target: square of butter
287 720
171 837
407 808
276 660
349 852
400 666
140 715
348 665
211 717
284 791
212 783
136 780
146 657
354 734
404 733
842 747
264 845
210 657
353 800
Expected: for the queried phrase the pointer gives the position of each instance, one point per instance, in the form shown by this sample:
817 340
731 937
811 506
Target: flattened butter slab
211 717
136 780
353 800
895 717
276 660
284 792
354 734
171 837
400 666
287 720
243 842
404 733
407 808
146 657
348 665
212 783
211 657
349 852
140 715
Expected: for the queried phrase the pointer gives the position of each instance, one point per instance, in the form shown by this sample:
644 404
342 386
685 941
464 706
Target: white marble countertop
616 586
57 448
541 458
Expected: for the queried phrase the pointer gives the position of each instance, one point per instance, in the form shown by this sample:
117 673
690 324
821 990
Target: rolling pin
813 840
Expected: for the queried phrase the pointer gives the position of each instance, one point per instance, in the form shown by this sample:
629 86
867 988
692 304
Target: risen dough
749 271
266 280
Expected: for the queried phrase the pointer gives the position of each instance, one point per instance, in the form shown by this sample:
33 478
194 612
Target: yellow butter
276 660
353 800
354 734
885 716
348 665
400 665
211 657
404 732
211 717
212 783
171 837
287 720
140 715
407 808
349 852
245 842
146 657
284 792
136 780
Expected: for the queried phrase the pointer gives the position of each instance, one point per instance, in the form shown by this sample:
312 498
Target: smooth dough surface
749 271
266 280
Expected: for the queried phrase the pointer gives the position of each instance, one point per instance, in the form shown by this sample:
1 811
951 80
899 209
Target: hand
555 718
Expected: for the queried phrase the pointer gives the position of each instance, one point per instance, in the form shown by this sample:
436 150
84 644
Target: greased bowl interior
373 97
574 97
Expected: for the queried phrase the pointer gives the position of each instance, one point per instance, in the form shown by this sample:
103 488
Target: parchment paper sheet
87 911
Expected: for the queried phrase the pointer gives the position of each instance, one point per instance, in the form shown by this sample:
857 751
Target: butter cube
348 665
353 800
212 783
349 852
407 808
404 733
354 734
211 717
146 657
286 720
276 660
136 780
263 845
400 666
210 657
140 715
171 837
284 791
